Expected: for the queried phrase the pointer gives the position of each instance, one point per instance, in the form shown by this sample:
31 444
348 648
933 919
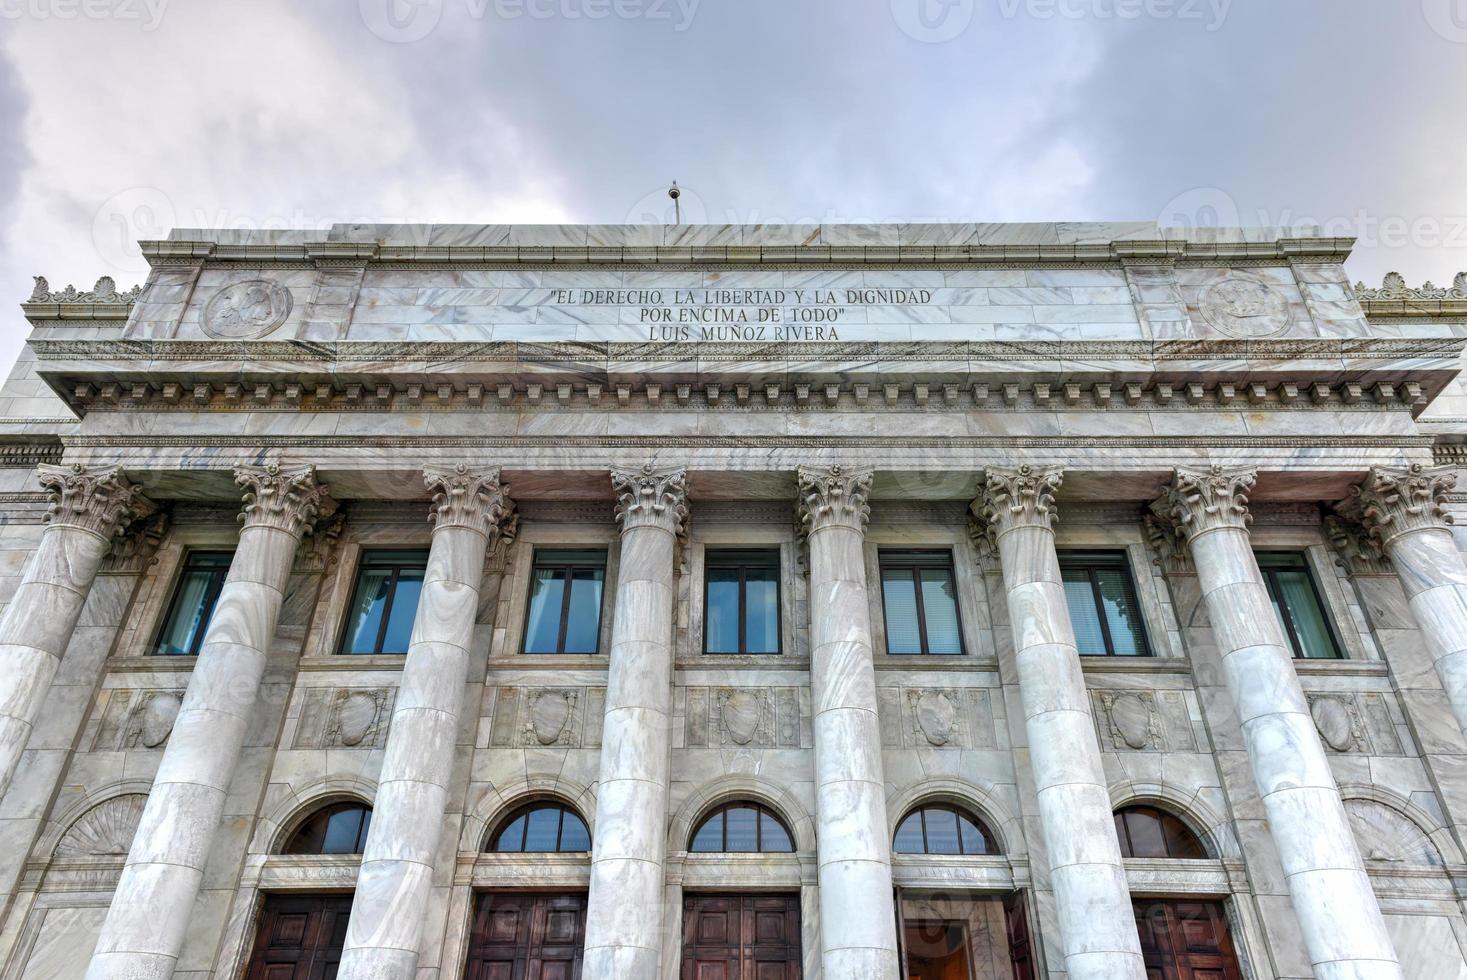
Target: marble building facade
980 601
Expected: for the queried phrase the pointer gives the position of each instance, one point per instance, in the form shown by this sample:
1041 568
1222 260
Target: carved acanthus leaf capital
834 496
649 497
477 501
1356 549
287 499
1203 500
1022 497
1392 502
102 501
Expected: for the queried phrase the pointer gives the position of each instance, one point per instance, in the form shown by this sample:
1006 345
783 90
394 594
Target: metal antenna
677 208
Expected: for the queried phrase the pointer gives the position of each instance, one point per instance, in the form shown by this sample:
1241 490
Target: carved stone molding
135 548
1360 722
1394 288
1014 498
1355 549
762 717
1197 501
477 501
288 500
101 501
136 719
104 831
1169 551
547 717
833 496
938 718
344 718
1393 502
1145 721
651 498
105 291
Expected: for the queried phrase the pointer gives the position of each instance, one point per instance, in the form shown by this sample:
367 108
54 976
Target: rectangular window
1101 597
565 602
920 598
1296 601
199 584
741 602
384 603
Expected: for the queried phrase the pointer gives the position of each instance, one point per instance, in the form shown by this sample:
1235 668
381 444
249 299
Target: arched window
742 828
1146 832
543 828
943 829
340 828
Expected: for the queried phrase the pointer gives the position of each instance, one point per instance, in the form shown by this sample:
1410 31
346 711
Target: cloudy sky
122 118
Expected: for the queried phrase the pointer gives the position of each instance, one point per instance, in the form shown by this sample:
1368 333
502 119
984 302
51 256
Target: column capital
1204 500
289 500
477 501
1013 498
1392 502
834 496
649 497
101 501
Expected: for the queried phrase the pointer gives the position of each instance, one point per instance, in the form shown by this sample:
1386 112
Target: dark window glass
384 602
199 584
741 602
919 597
1146 832
1101 597
942 830
742 828
337 829
543 828
565 602
1296 601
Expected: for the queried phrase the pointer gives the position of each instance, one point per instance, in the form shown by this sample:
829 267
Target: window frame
369 559
1127 843
492 844
1276 596
1092 561
763 812
544 558
325 812
770 559
961 813
211 598
918 560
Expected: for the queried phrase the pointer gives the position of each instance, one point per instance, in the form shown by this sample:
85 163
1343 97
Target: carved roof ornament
477 501
1392 502
102 501
1014 498
1197 501
649 497
289 500
1394 288
833 496
105 291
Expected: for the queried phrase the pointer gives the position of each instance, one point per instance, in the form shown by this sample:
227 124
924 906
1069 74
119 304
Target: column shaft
857 919
624 917
87 512
1092 897
1340 919
388 912
145 926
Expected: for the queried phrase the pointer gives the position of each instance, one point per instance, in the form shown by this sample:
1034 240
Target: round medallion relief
1333 722
155 721
356 716
549 715
247 310
935 716
741 711
1132 719
1244 307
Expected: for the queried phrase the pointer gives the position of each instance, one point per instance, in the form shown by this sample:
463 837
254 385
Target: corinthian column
1092 899
1343 931
470 511
857 921
149 916
88 510
1405 513
624 917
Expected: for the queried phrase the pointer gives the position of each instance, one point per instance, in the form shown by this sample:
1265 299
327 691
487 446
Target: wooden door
1016 925
300 937
1185 941
741 937
527 936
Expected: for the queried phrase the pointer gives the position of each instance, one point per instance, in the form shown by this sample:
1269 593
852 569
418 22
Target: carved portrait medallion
550 714
246 310
357 716
1133 719
936 713
1334 721
156 718
1244 306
